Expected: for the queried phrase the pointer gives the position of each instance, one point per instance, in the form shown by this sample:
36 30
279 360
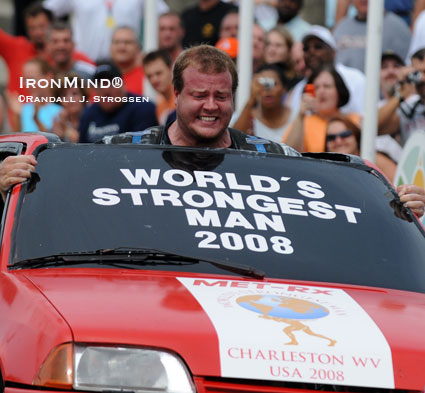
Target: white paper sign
294 333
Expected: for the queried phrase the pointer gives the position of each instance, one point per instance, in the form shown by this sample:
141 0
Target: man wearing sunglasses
406 111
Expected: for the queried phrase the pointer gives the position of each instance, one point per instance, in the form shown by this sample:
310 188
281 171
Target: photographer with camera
265 115
404 112
324 95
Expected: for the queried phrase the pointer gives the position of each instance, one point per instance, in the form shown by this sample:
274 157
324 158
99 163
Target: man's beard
285 18
39 46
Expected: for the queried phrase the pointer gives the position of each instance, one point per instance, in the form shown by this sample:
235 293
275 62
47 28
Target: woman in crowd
328 93
343 136
73 101
264 114
279 43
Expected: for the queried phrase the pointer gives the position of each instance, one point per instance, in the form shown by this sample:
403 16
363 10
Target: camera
414 77
267 83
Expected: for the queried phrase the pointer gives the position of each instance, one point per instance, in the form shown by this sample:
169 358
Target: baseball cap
390 54
229 45
322 33
106 70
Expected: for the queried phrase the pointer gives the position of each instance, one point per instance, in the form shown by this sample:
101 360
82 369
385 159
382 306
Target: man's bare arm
14 170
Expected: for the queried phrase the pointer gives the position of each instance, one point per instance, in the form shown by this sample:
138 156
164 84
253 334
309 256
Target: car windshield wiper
127 257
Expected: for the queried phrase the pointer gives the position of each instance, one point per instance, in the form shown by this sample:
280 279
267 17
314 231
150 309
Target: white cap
323 34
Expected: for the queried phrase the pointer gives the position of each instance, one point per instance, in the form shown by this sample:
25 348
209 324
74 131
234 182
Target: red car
136 268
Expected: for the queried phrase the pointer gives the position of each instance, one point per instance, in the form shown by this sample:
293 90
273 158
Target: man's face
110 93
37 27
361 7
419 65
170 32
124 47
61 46
159 75
204 107
287 9
317 53
229 26
390 74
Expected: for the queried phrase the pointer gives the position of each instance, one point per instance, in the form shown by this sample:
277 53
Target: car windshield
290 217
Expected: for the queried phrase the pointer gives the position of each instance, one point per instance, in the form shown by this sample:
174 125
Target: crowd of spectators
307 89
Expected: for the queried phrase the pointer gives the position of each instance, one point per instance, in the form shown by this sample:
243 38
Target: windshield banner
218 206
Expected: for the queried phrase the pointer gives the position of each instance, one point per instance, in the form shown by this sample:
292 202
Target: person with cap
418 31
114 110
391 70
406 111
205 82
351 36
319 48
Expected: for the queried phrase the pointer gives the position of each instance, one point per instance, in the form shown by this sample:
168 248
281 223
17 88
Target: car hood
249 329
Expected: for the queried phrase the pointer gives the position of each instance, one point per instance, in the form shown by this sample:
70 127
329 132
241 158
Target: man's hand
14 170
413 197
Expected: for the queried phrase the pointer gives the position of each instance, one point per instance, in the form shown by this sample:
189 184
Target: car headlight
100 368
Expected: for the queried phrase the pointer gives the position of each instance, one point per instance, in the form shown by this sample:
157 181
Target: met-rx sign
295 333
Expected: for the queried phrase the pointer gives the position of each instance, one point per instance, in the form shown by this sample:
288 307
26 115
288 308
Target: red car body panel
34 327
163 314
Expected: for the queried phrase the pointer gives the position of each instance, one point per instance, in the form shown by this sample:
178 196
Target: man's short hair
59 25
37 8
208 60
155 55
129 28
175 14
420 54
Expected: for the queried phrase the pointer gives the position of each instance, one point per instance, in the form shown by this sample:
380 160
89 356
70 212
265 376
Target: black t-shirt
203 27
131 116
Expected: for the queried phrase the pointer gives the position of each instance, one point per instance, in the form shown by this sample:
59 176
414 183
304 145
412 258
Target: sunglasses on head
343 134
